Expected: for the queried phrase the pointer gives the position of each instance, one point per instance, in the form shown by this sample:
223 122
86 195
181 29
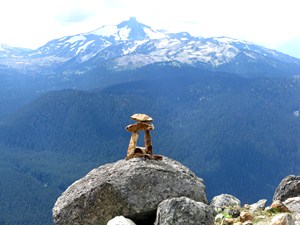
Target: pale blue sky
32 23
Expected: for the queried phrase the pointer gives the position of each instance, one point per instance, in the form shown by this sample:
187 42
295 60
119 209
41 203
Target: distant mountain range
130 45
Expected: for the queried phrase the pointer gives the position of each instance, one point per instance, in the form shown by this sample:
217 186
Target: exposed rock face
246 216
279 206
260 205
224 200
293 205
282 219
179 211
132 188
262 215
289 187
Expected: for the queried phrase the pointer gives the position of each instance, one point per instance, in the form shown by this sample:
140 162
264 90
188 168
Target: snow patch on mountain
84 47
112 31
250 55
76 38
123 34
132 48
154 34
2 49
106 31
136 61
229 40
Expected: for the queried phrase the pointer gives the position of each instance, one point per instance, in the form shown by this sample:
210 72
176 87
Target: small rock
141 117
225 200
234 213
282 219
246 216
289 187
260 205
219 218
246 206
229 220
237 223
279 206
260 217
120 220
179 211
268 209
247 223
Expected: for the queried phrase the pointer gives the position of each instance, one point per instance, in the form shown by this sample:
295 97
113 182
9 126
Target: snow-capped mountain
87 45
131 44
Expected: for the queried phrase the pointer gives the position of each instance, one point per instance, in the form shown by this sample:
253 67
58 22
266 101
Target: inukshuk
143 124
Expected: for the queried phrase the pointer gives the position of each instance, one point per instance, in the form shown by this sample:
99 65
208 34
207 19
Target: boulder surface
178 211
282 219
224 200
120 220
289 187
132 188
293 204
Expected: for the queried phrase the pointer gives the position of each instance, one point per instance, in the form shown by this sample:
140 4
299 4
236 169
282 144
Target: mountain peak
137 31
129 30
132 23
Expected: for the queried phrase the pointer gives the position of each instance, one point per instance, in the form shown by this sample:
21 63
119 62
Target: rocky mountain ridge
130 45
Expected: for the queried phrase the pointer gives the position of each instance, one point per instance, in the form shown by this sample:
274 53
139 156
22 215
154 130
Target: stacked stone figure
143 124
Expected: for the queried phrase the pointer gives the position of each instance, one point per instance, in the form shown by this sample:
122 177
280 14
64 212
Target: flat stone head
139 126
141 118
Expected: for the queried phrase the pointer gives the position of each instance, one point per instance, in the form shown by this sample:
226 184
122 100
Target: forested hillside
233 132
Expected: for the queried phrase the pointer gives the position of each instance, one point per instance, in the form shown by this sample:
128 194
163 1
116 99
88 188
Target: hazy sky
31 23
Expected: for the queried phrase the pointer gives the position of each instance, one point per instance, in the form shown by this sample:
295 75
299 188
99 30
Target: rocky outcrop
278 206
179 211
289 187
293 205
288 195
132 188
246 216
282 219
260 205
224 200
257 215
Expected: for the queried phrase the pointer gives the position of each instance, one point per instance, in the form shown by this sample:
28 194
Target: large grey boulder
179 211
289 187
132 188
224 200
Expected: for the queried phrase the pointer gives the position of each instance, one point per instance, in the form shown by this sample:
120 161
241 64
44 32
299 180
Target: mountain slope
233 132
130 45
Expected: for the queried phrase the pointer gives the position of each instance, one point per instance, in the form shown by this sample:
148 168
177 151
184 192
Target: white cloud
33 22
